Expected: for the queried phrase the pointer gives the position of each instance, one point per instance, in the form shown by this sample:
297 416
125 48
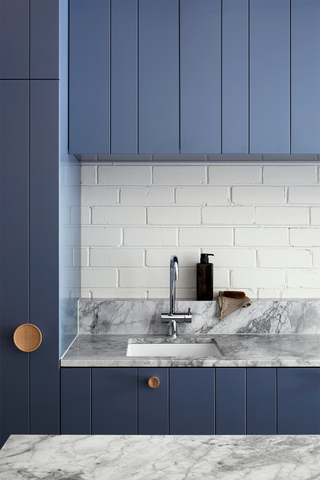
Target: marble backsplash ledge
143 317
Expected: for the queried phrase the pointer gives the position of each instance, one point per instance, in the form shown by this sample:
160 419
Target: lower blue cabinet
261 401
298 401
231 401
76 401
153 409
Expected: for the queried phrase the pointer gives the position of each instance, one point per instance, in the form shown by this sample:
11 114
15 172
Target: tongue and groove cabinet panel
261 400
200 76
270 76
230 401
305 76
158 76
153 413
76 401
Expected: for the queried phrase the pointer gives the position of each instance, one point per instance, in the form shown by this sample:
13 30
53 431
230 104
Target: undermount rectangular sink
173 350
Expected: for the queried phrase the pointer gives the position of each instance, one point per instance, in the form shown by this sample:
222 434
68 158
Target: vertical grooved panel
89 82
234 76
153 402
200 76
75 401
158 76
270 76
261 401
305 76
231 401
124 80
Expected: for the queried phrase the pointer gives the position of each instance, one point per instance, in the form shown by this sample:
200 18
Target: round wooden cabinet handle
153 382
27 337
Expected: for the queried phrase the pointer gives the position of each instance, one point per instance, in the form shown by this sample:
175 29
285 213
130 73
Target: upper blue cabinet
194 76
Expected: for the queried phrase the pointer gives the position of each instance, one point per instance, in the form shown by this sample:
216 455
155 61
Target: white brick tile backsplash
203 195
118 215
124 175
174 215
102 236
305 195
87 175
305 237
270 293
118 293
282 215
254 278
315 216
98 195
292 293
80 215
116 257
150 236
65 215
258 236
258 195
160 257
233 175
98 277
146 195
284 258
290 175
81 257
65 257
304 279
143 277
179 175
205 237
228 215
316 258
233 257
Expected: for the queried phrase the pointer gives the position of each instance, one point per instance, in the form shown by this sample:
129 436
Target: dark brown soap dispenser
205 278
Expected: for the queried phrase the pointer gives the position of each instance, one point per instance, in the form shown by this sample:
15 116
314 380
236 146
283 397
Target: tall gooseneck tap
174 276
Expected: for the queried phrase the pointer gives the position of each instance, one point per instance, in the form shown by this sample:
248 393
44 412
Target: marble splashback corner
143 317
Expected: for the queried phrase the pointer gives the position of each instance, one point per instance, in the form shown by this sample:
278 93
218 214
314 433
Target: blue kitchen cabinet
76 401
114 401
230 401
298 401
153 408
192 401
261 400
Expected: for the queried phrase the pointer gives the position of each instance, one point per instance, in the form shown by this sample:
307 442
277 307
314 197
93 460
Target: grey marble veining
187 457
143 317
239 350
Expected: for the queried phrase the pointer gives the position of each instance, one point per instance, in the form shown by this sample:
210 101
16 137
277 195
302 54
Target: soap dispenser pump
205 278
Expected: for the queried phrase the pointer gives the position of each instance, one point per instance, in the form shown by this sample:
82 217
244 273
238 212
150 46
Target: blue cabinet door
14 251
114 401
200 76
192 401
153 402
75 401
230 401
158 76
298 401
261 401
14 39
305 76
89 76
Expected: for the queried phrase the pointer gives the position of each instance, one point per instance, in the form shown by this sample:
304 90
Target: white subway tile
315 216
65 257
304 279
80 215
73 174
286 258
233 257
150 236
290 175
255 278
304 195
270 293
98 277
97 293
70 280
179 175
316 258
174 215
98 195
182 293
64 216
146 195
228 215
102 236
69 235
258 195
282 215
116 257
292 293
261 236
143 277
124 175
80 257
305 237
234 174
70 195
87 174
160 257
119 215
205 237
203 195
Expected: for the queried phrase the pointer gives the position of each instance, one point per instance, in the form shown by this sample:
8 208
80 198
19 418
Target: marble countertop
170 457
238 350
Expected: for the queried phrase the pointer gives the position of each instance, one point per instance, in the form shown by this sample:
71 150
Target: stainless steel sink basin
173 350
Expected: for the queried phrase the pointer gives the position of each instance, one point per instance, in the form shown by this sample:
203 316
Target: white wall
262 222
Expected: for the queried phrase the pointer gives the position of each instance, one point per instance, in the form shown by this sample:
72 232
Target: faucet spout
174 276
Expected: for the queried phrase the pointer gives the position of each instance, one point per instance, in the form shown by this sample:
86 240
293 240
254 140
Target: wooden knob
153 382
27 337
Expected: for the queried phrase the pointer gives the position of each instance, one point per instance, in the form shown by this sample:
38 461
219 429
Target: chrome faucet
172 318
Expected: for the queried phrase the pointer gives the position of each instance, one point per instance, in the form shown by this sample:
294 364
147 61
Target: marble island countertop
238 350
171 457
